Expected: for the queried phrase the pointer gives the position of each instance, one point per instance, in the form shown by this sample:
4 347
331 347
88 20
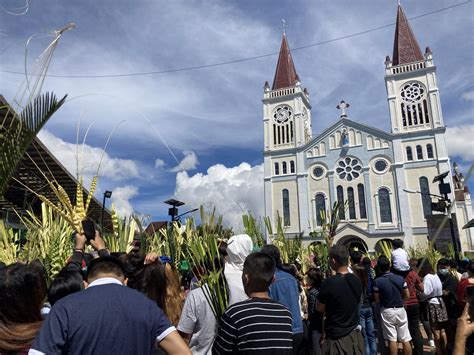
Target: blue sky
197 135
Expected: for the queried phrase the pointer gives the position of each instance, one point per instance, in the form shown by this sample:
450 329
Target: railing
282 92
408 67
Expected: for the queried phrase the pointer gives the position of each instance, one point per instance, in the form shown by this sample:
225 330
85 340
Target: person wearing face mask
450 284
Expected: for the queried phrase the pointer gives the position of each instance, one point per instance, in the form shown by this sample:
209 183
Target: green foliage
425 251
9 244
253 229
123 233
48 239
17 134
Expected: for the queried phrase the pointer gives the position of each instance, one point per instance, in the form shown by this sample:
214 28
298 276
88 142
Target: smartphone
89 229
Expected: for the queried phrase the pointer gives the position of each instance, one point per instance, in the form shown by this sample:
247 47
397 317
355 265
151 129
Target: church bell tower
286 107
410 79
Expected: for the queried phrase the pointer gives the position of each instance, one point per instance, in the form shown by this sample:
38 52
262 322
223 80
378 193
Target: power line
242 59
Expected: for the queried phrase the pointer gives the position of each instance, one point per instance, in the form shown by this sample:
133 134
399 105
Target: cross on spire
283 25
342 106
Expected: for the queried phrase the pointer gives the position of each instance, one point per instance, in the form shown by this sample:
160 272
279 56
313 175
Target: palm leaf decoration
18 131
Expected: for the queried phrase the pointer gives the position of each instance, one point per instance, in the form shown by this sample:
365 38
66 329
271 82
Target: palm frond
18 131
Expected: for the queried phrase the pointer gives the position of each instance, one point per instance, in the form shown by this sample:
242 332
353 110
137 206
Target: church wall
278 186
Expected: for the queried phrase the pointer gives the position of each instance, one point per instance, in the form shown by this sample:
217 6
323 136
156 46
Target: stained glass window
351 202
286 207
361 193
384 206
340 199
320 206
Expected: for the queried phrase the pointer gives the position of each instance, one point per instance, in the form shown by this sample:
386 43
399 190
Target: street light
107 194
443 205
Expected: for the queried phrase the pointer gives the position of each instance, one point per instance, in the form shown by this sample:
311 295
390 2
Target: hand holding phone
89 229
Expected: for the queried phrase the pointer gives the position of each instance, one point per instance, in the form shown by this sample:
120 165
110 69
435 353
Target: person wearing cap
107 318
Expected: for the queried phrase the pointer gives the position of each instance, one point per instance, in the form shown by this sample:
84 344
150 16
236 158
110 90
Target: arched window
292 166
283 168
419 152
351 202
384 206
277 169
409 154
425 197
286 207
361 193
429 151
320 206
340 199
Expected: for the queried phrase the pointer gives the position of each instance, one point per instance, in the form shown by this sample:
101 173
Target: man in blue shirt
390 290
284 290
107 318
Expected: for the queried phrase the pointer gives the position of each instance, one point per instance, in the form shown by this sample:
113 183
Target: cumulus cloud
189 162
233 191
460 143
159 163
468 96
121 199
89 157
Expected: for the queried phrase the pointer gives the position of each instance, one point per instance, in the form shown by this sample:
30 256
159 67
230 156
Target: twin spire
405 50
285 74
405 45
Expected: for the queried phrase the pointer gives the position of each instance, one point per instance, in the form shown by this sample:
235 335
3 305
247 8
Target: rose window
412 92
348 169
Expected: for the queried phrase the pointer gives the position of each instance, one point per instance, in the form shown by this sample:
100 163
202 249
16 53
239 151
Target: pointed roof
405 46
285 74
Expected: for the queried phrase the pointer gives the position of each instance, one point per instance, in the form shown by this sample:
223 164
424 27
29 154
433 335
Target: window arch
362 209
425 197
351 202
419 152
320 201
384 206
277 169
292 166
340 199
409 154
429 151
284 169
286 207
414 107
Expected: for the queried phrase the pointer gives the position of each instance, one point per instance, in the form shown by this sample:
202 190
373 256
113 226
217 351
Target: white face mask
443 271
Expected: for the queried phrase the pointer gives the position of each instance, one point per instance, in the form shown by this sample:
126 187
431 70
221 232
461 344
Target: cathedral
391 184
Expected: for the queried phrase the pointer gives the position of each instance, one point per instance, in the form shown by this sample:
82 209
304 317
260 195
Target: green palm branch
18 131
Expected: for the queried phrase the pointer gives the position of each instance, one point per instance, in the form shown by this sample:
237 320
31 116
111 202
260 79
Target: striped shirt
255 325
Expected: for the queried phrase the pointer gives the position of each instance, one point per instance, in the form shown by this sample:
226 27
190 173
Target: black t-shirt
341 295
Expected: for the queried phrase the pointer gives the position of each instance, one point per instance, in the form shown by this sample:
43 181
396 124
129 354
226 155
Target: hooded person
238 248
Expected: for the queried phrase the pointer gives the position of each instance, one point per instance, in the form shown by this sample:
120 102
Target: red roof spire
285 74
405 46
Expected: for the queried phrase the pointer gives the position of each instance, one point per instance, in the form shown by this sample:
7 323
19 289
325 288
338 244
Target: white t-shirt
197 319
400 260
432 288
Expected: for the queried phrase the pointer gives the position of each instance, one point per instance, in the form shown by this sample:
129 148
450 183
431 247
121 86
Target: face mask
443 271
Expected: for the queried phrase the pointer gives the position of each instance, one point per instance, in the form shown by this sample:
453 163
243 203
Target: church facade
384 179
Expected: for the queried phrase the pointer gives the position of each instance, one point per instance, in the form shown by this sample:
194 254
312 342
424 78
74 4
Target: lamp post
107 194
443 205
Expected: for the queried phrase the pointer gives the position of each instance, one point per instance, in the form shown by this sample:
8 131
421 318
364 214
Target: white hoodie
238 247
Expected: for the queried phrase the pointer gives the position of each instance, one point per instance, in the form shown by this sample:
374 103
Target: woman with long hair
158 281
432 305
22 292
365 309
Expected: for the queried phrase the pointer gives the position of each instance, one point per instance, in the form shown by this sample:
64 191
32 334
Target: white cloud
189 162
89 157
468 96
159 163
233 191
460 142
121 199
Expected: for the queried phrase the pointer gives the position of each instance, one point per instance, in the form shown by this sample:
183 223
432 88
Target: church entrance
354 243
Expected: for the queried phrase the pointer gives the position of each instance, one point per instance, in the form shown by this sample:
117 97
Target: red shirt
412 280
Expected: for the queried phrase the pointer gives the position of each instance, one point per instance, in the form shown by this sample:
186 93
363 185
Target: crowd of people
141 304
